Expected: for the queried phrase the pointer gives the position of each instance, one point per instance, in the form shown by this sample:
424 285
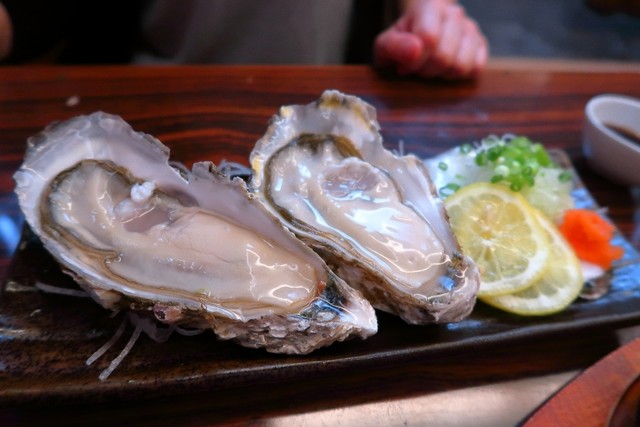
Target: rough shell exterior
333 312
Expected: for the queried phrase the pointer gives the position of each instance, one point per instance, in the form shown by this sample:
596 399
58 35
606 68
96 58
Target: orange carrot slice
590 237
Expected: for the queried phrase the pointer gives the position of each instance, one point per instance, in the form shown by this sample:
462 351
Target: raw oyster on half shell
190 248
373 216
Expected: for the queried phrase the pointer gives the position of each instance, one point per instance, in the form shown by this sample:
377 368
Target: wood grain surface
587 400
218 112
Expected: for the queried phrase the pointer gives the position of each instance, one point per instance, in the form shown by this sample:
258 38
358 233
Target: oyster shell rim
277 138
38 145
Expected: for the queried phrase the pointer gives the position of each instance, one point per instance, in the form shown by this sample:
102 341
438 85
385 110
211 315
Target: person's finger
394 47
425 20
444 55
465 62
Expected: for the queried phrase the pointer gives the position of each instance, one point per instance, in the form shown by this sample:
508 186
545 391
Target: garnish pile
512 211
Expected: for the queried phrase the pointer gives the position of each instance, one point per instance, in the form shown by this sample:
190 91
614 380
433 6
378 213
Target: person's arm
433 38
6 33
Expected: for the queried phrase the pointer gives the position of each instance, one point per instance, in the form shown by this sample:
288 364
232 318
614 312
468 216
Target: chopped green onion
449 189
516 161
565 176
443 166
481 158
466 148
520 142
494 152
501 170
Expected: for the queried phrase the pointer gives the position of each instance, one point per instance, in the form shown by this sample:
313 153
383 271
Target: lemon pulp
558 286
500 231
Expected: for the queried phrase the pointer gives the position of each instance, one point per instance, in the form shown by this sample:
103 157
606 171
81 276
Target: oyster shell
189 247
373 216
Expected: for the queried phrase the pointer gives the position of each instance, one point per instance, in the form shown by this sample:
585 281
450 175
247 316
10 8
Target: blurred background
70 31
560 29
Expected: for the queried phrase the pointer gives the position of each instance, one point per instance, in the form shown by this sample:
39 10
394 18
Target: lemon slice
559 285
499 230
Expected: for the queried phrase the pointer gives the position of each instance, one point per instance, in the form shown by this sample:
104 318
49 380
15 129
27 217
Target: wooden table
218 113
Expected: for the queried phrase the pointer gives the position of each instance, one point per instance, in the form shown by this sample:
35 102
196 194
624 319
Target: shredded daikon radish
102 350
60 291
115 362
154 330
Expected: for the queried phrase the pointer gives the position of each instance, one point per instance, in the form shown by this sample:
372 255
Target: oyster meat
373 216
190 248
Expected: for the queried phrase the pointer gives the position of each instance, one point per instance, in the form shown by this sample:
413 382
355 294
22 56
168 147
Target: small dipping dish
611 137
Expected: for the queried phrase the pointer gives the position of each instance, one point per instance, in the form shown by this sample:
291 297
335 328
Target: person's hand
433 38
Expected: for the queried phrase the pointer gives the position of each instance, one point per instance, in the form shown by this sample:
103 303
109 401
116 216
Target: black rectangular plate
45 339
